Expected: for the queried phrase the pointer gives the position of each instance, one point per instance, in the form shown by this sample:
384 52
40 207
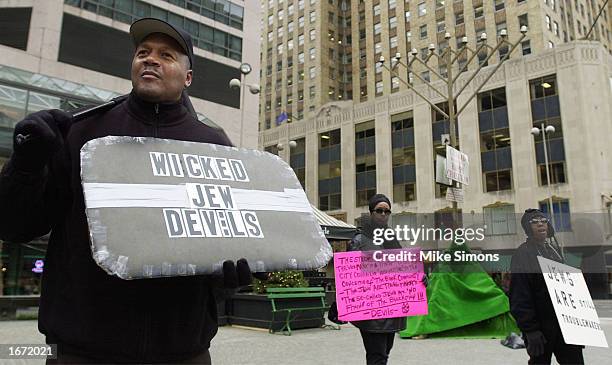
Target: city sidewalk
235 346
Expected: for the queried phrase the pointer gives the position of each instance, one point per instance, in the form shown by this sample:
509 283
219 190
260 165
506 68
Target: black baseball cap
142 28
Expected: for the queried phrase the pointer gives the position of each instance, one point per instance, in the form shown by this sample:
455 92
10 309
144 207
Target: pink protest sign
379 284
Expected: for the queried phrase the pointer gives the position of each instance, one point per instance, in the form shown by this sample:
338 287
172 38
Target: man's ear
188 79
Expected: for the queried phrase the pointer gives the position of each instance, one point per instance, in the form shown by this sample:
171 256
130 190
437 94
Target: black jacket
530 302
363 242
83 309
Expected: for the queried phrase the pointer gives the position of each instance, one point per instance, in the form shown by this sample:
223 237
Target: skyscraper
359 128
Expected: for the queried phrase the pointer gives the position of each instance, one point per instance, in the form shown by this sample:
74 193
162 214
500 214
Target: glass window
423 31
561 214
377 28
500 220
379 87
422 9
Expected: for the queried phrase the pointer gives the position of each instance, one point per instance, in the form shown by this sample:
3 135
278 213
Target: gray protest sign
168 208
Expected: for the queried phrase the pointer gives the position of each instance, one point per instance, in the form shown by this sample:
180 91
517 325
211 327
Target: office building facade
70 53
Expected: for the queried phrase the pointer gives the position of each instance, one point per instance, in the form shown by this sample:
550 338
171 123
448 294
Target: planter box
255 310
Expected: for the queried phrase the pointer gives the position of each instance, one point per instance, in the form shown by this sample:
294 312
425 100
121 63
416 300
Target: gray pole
548 182
452 127
242 87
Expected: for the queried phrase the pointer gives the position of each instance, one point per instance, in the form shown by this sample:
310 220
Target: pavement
239 345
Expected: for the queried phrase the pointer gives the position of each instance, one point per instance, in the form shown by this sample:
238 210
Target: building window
556 28
395 83
377 51
499 5
379 87
313 34
425 76
312 72
393 42
499 220
330 193
459 18
523 20
551 44
423 31
297 160
313 17
365 162
377 28
547 21
545 109
478 12
377 68
561 212
526 47
403 157
422 9
203 36
495 150
440 26
392 22
376 9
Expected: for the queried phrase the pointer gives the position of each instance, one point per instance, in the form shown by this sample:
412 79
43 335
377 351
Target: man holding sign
530 302
378 334
92 316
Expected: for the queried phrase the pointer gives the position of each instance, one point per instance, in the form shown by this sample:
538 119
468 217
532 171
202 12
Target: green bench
276 295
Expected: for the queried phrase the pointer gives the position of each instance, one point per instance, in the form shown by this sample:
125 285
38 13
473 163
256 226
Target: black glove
535 343
236 275
38 136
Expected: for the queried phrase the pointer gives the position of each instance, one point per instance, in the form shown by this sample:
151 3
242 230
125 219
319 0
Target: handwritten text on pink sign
370 289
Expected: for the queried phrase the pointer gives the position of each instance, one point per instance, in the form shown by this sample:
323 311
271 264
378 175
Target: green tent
464 302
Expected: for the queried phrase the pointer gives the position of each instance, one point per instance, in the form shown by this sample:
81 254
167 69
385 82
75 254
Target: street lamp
292 144
549 129
245 69
449 57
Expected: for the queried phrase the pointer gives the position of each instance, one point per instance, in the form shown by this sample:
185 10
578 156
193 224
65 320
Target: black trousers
564 353
377 346
63 358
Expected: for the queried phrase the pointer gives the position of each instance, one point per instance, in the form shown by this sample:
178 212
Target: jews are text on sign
573 305
165 208
368 287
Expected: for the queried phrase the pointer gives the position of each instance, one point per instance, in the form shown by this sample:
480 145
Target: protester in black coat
377 334
530 302
92 316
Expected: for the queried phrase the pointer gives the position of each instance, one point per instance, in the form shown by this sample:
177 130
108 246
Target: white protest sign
573 305
457 165
158 207
441 171
454 195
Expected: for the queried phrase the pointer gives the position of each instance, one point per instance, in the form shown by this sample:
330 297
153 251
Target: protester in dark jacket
530 302
377 334
92 316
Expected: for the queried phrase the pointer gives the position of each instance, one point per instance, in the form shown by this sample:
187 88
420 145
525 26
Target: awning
333 228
